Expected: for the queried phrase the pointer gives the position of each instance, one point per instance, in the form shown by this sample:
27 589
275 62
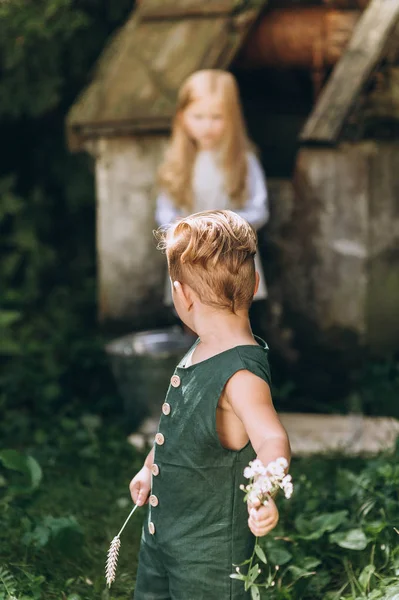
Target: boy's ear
256 282
183 292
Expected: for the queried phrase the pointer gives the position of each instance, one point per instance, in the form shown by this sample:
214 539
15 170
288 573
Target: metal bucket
142 364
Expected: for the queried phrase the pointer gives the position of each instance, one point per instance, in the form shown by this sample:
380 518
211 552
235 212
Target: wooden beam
290 37
340 4
155 10
361 57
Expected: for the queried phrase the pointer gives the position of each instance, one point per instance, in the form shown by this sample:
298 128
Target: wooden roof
135 84
360 59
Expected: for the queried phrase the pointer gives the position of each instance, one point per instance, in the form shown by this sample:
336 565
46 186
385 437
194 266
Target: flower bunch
266 481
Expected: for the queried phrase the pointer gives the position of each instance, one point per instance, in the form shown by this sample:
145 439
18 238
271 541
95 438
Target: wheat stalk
112 556
112 560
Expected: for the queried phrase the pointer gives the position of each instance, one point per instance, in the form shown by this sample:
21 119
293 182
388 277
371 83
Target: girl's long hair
175 173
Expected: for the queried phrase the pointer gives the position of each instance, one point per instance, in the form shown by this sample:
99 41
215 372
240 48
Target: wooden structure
299 36
340 265
134 89
365 51
123 118
333 233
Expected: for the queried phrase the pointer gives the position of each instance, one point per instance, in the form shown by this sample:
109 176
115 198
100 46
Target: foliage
24 465
335 541
50 349
48 46
54 539
33 38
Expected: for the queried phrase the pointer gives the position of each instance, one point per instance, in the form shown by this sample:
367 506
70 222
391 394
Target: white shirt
209 192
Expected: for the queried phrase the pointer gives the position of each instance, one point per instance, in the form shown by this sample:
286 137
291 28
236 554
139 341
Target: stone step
317 434
348 434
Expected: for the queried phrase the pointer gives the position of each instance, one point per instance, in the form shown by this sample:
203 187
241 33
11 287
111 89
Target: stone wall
131 271
331 251
336 242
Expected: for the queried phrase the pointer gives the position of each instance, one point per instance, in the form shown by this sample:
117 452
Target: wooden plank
382 103
137 78
182 9
364 51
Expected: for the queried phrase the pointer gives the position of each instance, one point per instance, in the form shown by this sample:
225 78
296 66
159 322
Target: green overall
197 521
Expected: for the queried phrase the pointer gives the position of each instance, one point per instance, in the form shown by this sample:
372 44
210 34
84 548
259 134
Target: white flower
275 469
282 462
267 486
288 489
266 481
253 497
257 467
248 472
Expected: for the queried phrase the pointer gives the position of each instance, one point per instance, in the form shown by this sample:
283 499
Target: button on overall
154 500
175 381
166 408
160 439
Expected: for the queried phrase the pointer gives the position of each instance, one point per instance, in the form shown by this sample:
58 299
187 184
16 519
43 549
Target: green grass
337 532
85 475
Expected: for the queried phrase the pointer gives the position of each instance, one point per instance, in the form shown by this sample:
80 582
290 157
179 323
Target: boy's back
216 417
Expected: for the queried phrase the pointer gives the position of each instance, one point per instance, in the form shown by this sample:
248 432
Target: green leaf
39 537
246 562
365 576
374 527
14 460
8 582
278 556
253 573
64 533
238 576
260 554
316 527
255 594
392 593
311 562
35 471
9 317
299 573
22 463
354 539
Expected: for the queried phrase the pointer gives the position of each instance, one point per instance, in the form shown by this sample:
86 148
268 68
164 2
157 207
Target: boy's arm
250 399
140 486
149 461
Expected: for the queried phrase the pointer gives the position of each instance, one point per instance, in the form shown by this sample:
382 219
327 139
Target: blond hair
213 252
175 174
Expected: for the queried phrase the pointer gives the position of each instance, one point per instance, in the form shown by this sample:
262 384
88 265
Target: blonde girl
209 163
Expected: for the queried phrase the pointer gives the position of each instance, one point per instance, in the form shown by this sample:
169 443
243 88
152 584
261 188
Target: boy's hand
140 486
262 518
